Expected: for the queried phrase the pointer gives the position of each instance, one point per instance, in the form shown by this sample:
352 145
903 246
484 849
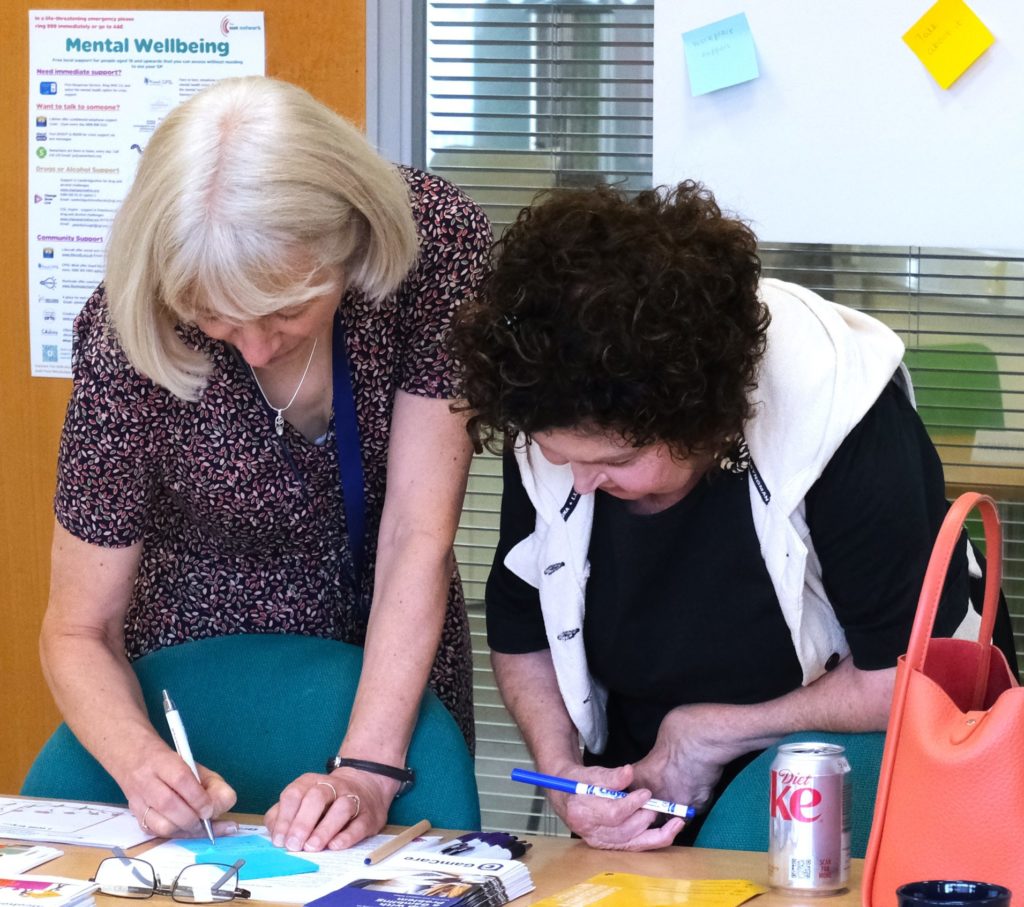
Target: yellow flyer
621 889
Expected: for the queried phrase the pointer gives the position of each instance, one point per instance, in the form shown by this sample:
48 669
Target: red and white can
809 819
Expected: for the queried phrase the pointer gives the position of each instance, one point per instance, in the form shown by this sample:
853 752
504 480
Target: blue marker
569 786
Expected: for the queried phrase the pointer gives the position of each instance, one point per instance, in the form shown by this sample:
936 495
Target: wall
856 143
325 53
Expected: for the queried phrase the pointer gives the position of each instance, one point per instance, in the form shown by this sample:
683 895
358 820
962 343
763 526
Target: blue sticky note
720 54
262 859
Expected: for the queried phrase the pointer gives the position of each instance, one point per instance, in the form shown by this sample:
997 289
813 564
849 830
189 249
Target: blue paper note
720 54
262 859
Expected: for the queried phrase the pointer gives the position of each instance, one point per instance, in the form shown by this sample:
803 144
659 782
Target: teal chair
739 820
959 393
958 389
262 709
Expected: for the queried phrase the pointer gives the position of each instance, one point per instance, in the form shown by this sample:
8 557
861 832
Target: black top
680 607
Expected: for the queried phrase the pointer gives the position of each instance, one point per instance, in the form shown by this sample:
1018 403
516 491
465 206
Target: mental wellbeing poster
99 84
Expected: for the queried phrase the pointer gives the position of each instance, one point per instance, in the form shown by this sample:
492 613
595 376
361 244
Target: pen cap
551 782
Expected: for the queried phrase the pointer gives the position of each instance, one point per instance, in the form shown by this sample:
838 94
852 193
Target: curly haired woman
718 503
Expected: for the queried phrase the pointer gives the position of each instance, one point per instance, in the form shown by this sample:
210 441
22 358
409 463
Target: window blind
526 96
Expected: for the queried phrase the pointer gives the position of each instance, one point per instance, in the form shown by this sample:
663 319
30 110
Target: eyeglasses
200 883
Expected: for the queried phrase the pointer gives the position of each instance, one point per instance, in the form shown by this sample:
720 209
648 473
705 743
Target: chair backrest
739 820
958 390
261 709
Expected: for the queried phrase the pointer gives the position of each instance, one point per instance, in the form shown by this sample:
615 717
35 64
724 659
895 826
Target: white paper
99 83
17 858
69 822
336 867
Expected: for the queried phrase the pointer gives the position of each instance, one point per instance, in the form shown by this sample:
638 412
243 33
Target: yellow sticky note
948 39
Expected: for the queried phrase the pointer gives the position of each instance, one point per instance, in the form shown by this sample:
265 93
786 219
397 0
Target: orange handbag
951 788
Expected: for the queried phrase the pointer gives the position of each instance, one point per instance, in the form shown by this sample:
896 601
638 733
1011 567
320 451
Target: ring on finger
334 790
355 799
145 816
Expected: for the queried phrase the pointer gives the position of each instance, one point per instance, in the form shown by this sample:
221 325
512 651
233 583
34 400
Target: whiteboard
846 138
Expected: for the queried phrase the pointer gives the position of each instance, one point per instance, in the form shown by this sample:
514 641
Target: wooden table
555 864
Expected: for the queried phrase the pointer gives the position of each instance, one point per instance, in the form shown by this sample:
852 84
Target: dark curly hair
634 314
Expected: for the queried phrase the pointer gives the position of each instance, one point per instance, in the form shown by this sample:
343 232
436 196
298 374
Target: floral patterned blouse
243 530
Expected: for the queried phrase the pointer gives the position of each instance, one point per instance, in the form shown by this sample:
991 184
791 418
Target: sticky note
948 39
262 859
720 54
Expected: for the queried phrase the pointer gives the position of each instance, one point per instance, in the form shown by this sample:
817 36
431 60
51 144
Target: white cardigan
824 366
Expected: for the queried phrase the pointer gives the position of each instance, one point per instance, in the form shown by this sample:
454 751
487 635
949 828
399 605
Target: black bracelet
405 775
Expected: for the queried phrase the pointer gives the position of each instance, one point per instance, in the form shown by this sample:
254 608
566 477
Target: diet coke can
809 819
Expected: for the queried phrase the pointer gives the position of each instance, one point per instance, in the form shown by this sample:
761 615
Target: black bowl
952 894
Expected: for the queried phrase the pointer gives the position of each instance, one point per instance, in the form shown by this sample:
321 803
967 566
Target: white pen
180 739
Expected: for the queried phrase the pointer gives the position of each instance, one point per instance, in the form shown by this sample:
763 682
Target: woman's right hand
168 800
83 636
612 824
530 690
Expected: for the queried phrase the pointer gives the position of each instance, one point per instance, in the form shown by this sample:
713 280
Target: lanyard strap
350 458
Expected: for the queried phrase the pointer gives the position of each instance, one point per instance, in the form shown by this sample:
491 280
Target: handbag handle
917 649
935 578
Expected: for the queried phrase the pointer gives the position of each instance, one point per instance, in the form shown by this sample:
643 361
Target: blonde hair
247 195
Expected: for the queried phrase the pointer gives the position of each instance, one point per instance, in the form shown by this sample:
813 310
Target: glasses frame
169 890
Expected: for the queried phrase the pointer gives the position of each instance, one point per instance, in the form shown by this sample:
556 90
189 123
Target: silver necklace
279 418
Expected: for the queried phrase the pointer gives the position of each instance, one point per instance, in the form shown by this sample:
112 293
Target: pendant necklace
279 410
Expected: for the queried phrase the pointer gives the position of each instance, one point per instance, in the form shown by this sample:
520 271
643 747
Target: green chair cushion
957 387
261 709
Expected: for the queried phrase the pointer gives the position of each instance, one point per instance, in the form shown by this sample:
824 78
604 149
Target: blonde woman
272 285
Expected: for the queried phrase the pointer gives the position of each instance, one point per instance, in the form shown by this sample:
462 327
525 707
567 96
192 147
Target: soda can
809 819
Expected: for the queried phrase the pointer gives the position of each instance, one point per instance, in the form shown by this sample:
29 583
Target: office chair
261 709
958 390
739 820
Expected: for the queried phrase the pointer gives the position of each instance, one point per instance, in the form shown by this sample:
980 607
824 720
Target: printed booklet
54 891
432 879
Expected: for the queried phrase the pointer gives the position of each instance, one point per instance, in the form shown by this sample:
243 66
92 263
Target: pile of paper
54 891
431 879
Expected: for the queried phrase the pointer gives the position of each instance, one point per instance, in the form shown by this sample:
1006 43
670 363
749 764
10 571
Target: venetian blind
524 96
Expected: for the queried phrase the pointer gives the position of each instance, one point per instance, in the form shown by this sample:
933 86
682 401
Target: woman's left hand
696 741
330 811
693 745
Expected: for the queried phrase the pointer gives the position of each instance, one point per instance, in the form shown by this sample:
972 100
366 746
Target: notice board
845 137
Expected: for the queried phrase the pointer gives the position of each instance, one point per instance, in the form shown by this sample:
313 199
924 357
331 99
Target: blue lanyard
350 458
